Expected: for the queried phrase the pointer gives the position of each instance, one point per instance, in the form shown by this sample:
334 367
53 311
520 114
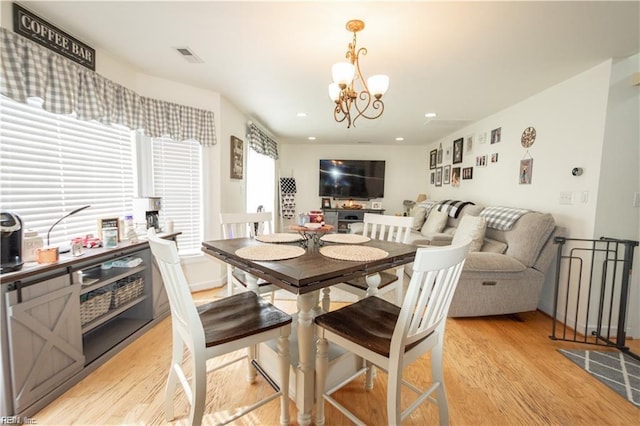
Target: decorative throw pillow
436 221
419 215
473 228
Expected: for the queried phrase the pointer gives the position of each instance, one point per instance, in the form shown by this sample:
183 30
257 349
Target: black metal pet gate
591 307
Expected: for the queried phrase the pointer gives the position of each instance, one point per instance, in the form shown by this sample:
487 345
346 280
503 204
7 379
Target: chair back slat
184 314
387 228
241 225
431 289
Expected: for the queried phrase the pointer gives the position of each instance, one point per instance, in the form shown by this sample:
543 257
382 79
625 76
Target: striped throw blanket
453 207
502 218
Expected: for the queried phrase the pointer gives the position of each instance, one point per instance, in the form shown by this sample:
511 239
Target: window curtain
261 143
30 70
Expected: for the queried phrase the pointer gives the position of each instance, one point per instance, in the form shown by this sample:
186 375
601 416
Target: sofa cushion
492 263
419 215
435 222
473 228
527 236
430 239
493 246
469 209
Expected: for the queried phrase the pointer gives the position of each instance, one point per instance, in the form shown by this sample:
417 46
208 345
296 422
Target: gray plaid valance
262 143
29 70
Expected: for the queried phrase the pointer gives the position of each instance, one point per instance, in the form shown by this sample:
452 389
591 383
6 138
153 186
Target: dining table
304 276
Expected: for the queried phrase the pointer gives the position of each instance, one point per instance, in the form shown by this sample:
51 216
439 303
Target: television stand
341 219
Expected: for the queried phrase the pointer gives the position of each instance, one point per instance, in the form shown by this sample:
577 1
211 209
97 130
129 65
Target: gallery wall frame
446 175
457 150
433 158
237 158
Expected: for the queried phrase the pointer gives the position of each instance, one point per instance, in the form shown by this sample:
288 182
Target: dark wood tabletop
312 270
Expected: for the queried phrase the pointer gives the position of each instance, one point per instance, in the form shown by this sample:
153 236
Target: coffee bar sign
37 29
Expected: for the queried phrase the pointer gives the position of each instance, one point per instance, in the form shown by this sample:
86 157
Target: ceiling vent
188 55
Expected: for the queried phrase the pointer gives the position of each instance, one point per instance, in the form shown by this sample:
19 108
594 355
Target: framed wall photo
433 157
457 150
446 175
439 155
467 173
326 203
109 223
439 176
433 178
496 135
237 158
526 169
455 177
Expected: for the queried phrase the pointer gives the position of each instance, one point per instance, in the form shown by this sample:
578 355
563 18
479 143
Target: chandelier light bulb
378 84
343 73
334 92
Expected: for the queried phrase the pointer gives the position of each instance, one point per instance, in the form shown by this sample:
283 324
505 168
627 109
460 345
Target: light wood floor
498 371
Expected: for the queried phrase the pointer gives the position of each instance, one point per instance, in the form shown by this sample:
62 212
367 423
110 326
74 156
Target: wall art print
526 169
457 150
496 135
467 173
439 176
446 175
237 158
455 176
433 155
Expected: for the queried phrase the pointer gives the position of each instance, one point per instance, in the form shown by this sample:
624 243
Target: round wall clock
528 137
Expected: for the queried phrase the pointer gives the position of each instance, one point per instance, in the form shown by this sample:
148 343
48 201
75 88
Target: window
260 182
52 164
177 178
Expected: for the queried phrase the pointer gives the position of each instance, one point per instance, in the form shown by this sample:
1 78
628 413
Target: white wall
589 121
405 175
569 121
620 178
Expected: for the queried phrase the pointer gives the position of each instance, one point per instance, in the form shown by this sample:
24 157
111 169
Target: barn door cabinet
63 320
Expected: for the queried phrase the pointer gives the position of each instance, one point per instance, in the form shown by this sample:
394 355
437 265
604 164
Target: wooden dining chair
241 225
391 337
379 227
227 325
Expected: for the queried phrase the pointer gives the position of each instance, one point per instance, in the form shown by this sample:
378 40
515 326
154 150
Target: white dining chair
379 227
246 225
391 337
223 326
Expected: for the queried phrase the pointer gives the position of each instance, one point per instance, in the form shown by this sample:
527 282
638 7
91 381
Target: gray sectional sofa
508 272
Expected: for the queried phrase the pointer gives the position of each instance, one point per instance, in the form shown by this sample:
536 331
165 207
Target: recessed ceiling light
430 115
301 114
312 138
400 139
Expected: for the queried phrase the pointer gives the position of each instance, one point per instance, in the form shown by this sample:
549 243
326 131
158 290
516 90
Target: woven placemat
356 253
282 237
345 238
270 252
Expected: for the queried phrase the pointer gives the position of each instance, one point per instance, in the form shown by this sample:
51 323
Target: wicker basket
97 304
127 290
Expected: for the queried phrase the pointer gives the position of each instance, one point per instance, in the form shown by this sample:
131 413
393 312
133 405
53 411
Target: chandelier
347 78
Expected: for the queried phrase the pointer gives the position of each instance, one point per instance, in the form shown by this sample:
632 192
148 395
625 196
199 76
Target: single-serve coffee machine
146 210
10 242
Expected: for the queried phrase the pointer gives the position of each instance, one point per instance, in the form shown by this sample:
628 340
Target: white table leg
252 284
306 346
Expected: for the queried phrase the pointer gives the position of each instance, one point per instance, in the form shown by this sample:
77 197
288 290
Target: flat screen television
360 179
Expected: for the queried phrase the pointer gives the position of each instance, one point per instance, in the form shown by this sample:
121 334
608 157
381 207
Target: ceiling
272 60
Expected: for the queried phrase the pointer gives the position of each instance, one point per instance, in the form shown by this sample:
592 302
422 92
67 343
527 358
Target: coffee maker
146 211
10 242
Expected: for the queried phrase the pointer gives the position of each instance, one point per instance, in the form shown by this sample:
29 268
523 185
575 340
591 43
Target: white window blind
52 164
177 178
